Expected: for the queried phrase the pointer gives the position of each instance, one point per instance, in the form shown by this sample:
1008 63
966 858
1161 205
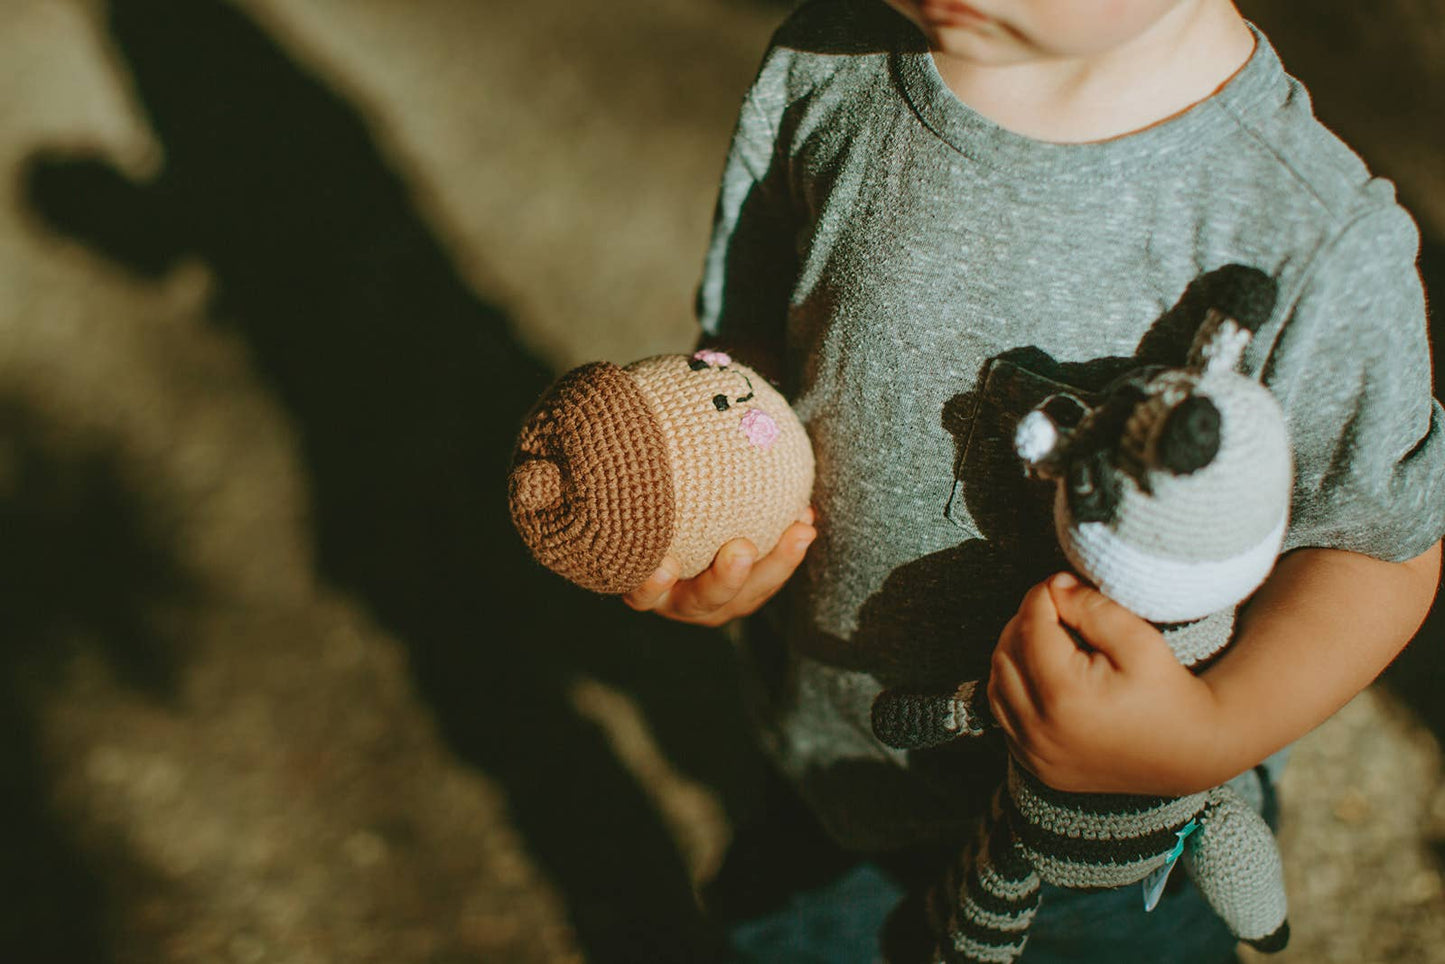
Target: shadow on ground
407 391
82 568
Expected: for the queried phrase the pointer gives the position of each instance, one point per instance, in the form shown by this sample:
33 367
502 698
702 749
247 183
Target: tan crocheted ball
616 468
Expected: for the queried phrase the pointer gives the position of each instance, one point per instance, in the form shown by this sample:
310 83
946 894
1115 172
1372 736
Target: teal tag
1154 883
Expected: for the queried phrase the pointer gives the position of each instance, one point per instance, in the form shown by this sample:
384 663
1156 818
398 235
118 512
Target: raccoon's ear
1242 300
1245 294
1219 345
1043 434
1189 438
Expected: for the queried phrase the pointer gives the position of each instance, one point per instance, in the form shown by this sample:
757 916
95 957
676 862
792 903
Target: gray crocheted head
1173 489
616 468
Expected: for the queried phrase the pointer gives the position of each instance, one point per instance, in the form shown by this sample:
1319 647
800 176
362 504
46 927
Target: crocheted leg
989 898
1235 863
912 721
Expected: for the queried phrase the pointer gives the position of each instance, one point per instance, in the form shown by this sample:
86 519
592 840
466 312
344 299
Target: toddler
936 213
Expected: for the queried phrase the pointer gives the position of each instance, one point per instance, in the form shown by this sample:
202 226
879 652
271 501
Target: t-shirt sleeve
751 261
1351 366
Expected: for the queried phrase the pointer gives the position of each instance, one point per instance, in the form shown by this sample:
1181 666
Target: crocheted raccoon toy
1172 496
616 468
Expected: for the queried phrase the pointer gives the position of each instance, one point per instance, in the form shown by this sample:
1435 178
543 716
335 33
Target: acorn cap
591 486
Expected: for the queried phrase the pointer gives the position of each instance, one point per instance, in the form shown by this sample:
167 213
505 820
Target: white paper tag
1154 883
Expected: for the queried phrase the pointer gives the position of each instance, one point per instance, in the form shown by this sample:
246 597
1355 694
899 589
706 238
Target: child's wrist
1195 744
1220 748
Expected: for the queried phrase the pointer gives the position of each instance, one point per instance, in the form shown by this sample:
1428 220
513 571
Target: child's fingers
1039 644
1111 629
1038 604
771 572
717 585
1009 700
736 584
1008 676
653 593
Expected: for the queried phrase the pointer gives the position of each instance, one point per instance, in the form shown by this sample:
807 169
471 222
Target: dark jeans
788 895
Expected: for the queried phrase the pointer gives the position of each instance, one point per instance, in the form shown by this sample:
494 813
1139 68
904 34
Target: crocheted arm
912 721
1234 862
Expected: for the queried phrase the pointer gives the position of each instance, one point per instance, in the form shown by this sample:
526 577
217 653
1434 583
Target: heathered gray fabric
924 277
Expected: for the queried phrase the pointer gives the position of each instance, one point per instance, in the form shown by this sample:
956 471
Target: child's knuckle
1031 624
999 664
1038 596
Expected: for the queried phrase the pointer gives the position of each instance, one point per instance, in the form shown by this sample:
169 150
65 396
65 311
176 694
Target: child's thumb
1108 627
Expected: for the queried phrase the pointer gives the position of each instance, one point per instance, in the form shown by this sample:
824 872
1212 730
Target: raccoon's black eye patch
720 402
1092 488
1190 437
1065 411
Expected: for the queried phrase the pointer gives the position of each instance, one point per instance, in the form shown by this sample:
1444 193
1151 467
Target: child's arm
1128 718
750 268
736 584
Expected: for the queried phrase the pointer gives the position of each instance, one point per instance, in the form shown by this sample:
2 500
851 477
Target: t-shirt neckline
984 140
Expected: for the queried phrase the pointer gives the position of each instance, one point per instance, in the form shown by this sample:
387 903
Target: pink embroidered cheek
760 428
718 358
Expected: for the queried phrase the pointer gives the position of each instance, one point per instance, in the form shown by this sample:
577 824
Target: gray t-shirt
921 277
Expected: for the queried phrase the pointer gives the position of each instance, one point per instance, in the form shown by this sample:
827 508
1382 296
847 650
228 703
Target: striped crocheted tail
987 902
1236 865
912 721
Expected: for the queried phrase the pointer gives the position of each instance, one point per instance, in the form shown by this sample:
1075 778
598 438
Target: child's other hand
736 584
1121 717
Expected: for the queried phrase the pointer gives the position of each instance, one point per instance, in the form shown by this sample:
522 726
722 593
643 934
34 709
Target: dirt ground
277 278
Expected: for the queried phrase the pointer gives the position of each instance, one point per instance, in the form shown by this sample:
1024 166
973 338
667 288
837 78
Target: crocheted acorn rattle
616 468
1172 495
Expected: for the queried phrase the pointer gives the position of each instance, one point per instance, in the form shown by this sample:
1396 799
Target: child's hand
735 585
1123 717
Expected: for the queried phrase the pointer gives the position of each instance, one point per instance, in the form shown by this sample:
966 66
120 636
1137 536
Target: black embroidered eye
697 364
720 402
